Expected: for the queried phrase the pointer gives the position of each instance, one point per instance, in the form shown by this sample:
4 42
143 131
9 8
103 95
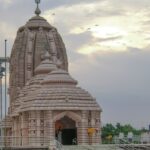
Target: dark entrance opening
69 136
66 131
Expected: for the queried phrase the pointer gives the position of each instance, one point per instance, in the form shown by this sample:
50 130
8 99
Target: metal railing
137 143
134 140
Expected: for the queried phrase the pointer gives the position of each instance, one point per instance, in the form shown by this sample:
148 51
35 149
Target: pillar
49 129
38 116
95 123
25 128
32 128
83 136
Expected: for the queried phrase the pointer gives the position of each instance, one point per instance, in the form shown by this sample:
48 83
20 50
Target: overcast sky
108 45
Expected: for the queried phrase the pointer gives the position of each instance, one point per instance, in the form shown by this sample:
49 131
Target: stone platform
110 147
86 147
24 148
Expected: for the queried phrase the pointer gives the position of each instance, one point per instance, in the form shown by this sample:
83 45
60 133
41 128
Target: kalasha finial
37 11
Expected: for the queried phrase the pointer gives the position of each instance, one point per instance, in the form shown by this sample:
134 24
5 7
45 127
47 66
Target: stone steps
110 147
100 147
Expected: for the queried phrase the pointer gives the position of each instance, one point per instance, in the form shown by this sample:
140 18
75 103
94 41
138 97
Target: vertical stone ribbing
18 137
83 137
95 123
25 130
29 52
38 116
14 131
49 133
32 128
52 46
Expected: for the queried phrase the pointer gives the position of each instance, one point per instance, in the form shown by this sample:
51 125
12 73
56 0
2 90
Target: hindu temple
46 102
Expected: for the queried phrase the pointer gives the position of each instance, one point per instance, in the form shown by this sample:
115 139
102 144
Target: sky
107 43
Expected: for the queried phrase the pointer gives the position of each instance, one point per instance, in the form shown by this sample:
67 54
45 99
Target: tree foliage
110 130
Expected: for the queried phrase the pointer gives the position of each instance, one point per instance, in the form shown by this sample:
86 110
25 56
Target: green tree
107 131
111 130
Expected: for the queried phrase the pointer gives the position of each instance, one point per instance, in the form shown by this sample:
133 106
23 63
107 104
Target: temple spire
37 11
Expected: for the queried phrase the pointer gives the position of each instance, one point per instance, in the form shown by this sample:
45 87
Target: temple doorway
66 131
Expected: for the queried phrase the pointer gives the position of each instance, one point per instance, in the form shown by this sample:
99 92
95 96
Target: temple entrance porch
66 131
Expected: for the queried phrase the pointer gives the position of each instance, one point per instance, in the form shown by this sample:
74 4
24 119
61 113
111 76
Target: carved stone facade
45 101
29 47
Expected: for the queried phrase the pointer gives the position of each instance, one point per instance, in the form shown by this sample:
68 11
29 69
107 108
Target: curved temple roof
58 91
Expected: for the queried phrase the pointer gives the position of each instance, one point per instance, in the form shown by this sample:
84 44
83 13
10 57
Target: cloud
146 23
66 3
134 49
6 1
119 81
5 4
7 32
73 42
109 39
87 12
131 5
107 28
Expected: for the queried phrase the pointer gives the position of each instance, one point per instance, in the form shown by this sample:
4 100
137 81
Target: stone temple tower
32 40
46 103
